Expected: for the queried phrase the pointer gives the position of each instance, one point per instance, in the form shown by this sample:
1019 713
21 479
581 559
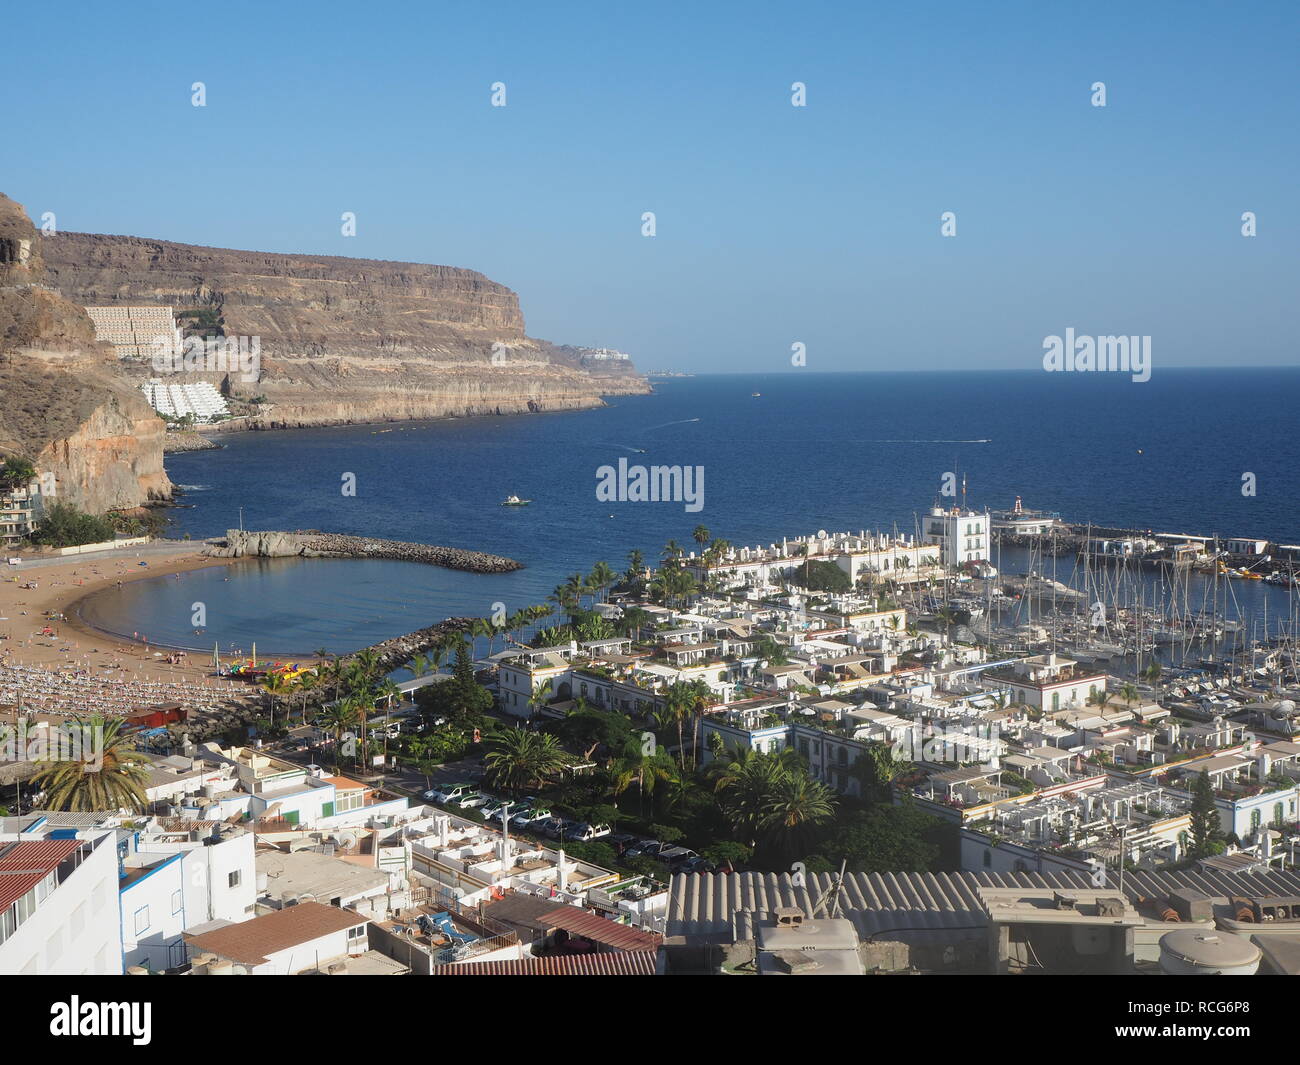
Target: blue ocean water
813 451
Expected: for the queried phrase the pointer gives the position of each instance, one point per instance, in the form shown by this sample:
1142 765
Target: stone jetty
392 654
238 543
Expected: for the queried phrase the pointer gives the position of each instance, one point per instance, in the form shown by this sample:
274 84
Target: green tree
16 472
65 526
517 759
1207 836
635 565
818 576
885 838
111 775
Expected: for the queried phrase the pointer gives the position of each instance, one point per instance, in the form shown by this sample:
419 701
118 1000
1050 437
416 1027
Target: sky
775 225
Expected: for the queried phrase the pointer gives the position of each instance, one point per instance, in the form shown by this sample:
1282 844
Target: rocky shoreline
314 544
176 442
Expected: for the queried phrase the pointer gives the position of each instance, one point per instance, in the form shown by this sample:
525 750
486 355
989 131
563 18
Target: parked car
531 818
645 848
696 865
562 829
449 794
472 799
620 841
674 855
584 832
547 826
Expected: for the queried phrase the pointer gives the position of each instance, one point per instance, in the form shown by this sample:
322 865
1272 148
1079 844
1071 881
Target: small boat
515 501
755 395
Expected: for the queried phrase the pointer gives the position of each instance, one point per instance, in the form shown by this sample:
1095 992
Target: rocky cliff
63 401
344 340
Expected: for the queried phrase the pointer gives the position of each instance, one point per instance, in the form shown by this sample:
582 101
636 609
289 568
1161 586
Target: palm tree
701 697
15 472
338 719
679 704
600 578
1129 693
635 564
672 551
275 685
418 666
305 683
795 805
369 664
646 771
112 776
541 695
519 759
746 789
700 535
335 671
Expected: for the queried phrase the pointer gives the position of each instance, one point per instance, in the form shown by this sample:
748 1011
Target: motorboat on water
515 501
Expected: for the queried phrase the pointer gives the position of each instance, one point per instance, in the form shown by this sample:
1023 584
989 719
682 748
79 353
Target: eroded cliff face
346 340
64 403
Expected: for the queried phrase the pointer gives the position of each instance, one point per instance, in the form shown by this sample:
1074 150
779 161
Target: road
157 549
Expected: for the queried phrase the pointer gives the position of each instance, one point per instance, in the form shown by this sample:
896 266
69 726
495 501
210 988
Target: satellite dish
346 840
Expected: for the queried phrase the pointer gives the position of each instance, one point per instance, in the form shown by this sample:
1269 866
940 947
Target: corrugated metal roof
33 854
616 963
13 886
1213 882
600 930
720 907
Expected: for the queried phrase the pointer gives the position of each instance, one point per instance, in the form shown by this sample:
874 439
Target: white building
59 906
963 535
308 937
138 332
1048 682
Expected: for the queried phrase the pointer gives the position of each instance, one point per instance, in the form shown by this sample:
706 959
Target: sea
1207 452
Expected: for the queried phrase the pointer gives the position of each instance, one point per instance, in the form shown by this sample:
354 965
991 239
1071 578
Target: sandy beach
60 583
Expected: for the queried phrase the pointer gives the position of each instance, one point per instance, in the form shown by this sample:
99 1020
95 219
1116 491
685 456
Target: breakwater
238 543
394 653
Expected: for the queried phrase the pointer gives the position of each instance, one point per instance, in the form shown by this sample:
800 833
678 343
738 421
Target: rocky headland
238 543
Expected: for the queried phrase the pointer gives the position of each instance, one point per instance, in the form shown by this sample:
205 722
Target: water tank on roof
1208 953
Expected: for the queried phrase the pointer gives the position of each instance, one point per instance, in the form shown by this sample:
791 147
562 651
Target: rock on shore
240 544
177 441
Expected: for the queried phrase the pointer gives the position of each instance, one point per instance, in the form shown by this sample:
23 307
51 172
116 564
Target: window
356 933
988 859
142 920
1254 819
178 903
232 880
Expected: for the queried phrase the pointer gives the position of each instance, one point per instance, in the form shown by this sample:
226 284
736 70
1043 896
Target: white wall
77 930
153 916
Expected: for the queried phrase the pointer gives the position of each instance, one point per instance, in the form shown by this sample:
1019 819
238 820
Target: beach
62 583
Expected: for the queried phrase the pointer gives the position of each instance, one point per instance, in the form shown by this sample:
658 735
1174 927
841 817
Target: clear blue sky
775 224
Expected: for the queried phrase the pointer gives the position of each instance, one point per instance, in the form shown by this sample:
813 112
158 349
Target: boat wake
683 421
925 441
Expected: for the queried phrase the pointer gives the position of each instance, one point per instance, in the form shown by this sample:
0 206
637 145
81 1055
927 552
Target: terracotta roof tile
249 942
619 963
